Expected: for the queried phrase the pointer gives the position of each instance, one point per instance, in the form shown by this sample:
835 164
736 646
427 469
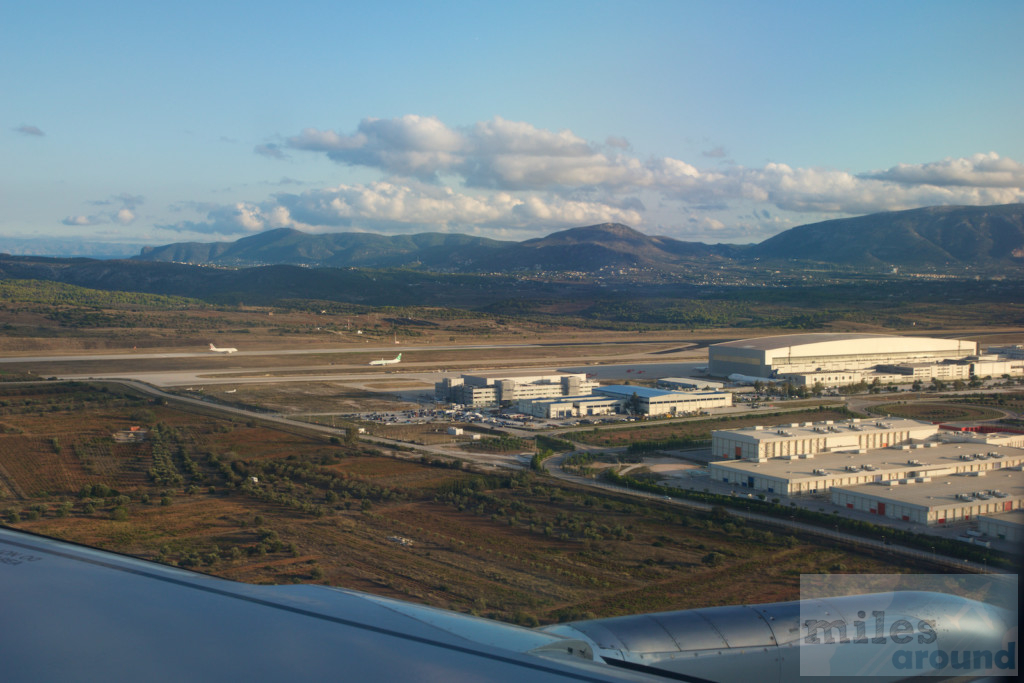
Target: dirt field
260 505
938 412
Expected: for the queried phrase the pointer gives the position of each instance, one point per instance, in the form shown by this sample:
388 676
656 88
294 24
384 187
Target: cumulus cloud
498 154
512 156
30 130
980 170
391 207
830 191
501 177
417 146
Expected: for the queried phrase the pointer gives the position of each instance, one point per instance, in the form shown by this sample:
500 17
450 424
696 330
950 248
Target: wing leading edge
75 613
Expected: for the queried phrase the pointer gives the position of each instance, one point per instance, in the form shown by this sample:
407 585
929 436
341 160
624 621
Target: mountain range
933 237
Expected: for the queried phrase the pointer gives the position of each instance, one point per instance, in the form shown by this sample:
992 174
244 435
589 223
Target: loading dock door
881 508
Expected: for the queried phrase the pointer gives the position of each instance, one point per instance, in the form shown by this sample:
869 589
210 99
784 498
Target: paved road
488 459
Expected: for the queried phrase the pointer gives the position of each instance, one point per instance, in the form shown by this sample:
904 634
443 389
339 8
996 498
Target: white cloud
824 190
496 154
391 207
511 156
412 145
979 170
125 216
501 177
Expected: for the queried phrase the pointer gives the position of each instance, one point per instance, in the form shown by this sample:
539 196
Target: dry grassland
516 547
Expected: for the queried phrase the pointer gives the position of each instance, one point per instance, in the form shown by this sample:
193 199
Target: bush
712 559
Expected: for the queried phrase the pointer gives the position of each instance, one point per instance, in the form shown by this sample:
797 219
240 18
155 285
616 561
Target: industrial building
939 501
570 406
760 443
481 391
900 469
656 402
1006 526
847 358
823 471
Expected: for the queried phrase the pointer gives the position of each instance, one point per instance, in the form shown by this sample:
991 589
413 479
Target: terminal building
847 358
481 391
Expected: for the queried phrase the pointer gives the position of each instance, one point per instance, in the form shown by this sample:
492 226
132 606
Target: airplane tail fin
212 347
399 357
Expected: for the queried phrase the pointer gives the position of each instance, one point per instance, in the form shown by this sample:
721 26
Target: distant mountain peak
591 233
983 236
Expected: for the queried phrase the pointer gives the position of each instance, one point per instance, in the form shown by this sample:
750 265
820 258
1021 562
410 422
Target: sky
126 124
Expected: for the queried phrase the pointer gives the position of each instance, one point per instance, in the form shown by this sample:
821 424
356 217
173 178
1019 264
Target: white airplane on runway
385 361
230 349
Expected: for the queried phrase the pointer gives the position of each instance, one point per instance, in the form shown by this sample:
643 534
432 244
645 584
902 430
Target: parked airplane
71 612
230 349
385 361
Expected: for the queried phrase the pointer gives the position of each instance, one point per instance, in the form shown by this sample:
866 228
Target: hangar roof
782 341
813 343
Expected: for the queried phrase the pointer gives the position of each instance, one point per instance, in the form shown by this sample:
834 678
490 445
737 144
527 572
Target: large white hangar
817 352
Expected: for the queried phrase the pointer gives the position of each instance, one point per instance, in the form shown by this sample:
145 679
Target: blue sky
149 123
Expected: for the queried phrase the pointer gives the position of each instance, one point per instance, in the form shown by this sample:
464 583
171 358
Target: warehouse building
802 438
926 500
806 358
483 391
1006 526
657 402
888 467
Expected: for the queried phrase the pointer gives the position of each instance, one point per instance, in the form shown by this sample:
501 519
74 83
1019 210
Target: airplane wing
72 613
